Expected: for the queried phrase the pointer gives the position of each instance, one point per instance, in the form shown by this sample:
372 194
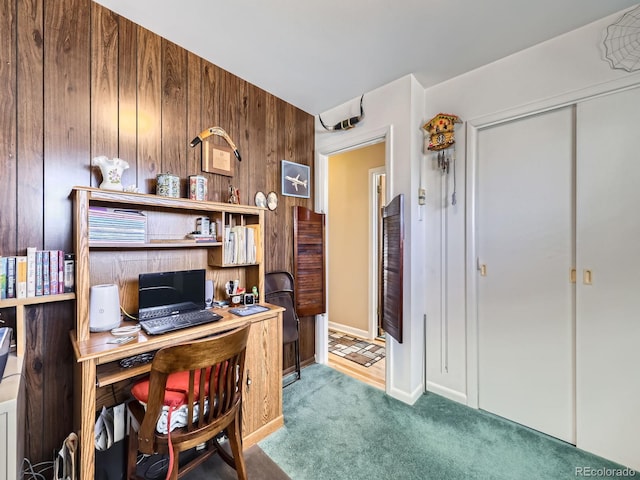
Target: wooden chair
215 367
279 290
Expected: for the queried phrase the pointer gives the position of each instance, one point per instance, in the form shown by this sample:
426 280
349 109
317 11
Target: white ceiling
318 55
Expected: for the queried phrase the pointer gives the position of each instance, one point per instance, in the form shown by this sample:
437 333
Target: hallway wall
395 112
348 230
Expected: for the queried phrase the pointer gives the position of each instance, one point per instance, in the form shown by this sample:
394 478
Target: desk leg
87 419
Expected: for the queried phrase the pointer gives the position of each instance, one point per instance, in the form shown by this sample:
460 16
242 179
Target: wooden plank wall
77 81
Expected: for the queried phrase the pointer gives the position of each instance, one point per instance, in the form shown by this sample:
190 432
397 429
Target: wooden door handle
587 277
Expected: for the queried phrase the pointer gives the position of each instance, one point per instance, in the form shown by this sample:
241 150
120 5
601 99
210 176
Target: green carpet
339 428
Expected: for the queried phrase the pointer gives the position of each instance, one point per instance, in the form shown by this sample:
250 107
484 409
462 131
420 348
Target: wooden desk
98 366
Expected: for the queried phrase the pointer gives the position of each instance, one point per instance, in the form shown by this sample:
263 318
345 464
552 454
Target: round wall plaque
261 199
272 201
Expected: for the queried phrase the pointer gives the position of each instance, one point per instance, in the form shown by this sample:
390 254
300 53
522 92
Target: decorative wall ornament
216 131
260 199
272 201
441 131
217 159
622 42
345 124
439 136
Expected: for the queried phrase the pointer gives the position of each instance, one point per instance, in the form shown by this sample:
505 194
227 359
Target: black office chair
279 290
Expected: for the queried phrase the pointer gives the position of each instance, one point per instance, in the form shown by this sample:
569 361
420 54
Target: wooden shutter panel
392 255
309 261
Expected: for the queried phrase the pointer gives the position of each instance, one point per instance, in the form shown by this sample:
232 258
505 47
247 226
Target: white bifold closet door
525 243
608 250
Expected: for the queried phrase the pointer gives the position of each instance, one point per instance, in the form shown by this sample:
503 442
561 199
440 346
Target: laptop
169 301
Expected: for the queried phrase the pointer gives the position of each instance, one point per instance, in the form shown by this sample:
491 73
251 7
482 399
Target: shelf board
232 265
162 244
14 302
112 373
150 200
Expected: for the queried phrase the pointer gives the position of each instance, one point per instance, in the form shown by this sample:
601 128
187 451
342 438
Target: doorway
355 197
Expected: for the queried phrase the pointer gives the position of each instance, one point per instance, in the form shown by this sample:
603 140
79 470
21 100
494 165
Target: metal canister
197 187
202 225
168 185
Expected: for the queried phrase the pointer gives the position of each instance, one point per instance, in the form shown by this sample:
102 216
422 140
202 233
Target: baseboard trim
447 393
262 432
406 397
356 332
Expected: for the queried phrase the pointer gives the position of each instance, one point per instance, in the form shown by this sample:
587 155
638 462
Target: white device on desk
104 308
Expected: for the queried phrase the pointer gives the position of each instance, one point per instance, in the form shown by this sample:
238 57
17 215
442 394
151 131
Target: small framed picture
295 179
272 201
260 199
217 159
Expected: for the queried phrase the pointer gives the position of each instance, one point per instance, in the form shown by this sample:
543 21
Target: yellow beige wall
348 234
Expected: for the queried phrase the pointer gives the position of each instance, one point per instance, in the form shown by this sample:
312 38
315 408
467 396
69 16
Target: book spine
31 271
39 274
11 277
46 278
3 277
69 272
53 271
21 276
60 271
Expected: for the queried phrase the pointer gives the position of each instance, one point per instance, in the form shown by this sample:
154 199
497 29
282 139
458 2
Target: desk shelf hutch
168 220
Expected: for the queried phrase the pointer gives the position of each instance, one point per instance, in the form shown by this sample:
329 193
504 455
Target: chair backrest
278 282
278 288
215 369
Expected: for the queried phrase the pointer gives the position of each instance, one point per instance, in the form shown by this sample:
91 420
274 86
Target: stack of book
39 272
113 225
241 244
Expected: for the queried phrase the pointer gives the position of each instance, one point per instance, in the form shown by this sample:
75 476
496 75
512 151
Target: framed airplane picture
295 179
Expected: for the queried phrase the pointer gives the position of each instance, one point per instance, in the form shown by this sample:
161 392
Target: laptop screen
172 292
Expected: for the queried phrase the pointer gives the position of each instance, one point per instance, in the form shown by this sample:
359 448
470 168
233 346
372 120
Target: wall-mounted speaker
104 308
208 293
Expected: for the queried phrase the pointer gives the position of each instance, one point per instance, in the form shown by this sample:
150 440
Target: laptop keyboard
156 313
156 326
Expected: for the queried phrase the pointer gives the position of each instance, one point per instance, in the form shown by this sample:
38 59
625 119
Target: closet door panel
608 245
525 241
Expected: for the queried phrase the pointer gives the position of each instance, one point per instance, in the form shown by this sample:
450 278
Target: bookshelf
20 303
12 389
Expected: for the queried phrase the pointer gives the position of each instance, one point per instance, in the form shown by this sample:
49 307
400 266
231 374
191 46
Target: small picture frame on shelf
217 159
295 179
